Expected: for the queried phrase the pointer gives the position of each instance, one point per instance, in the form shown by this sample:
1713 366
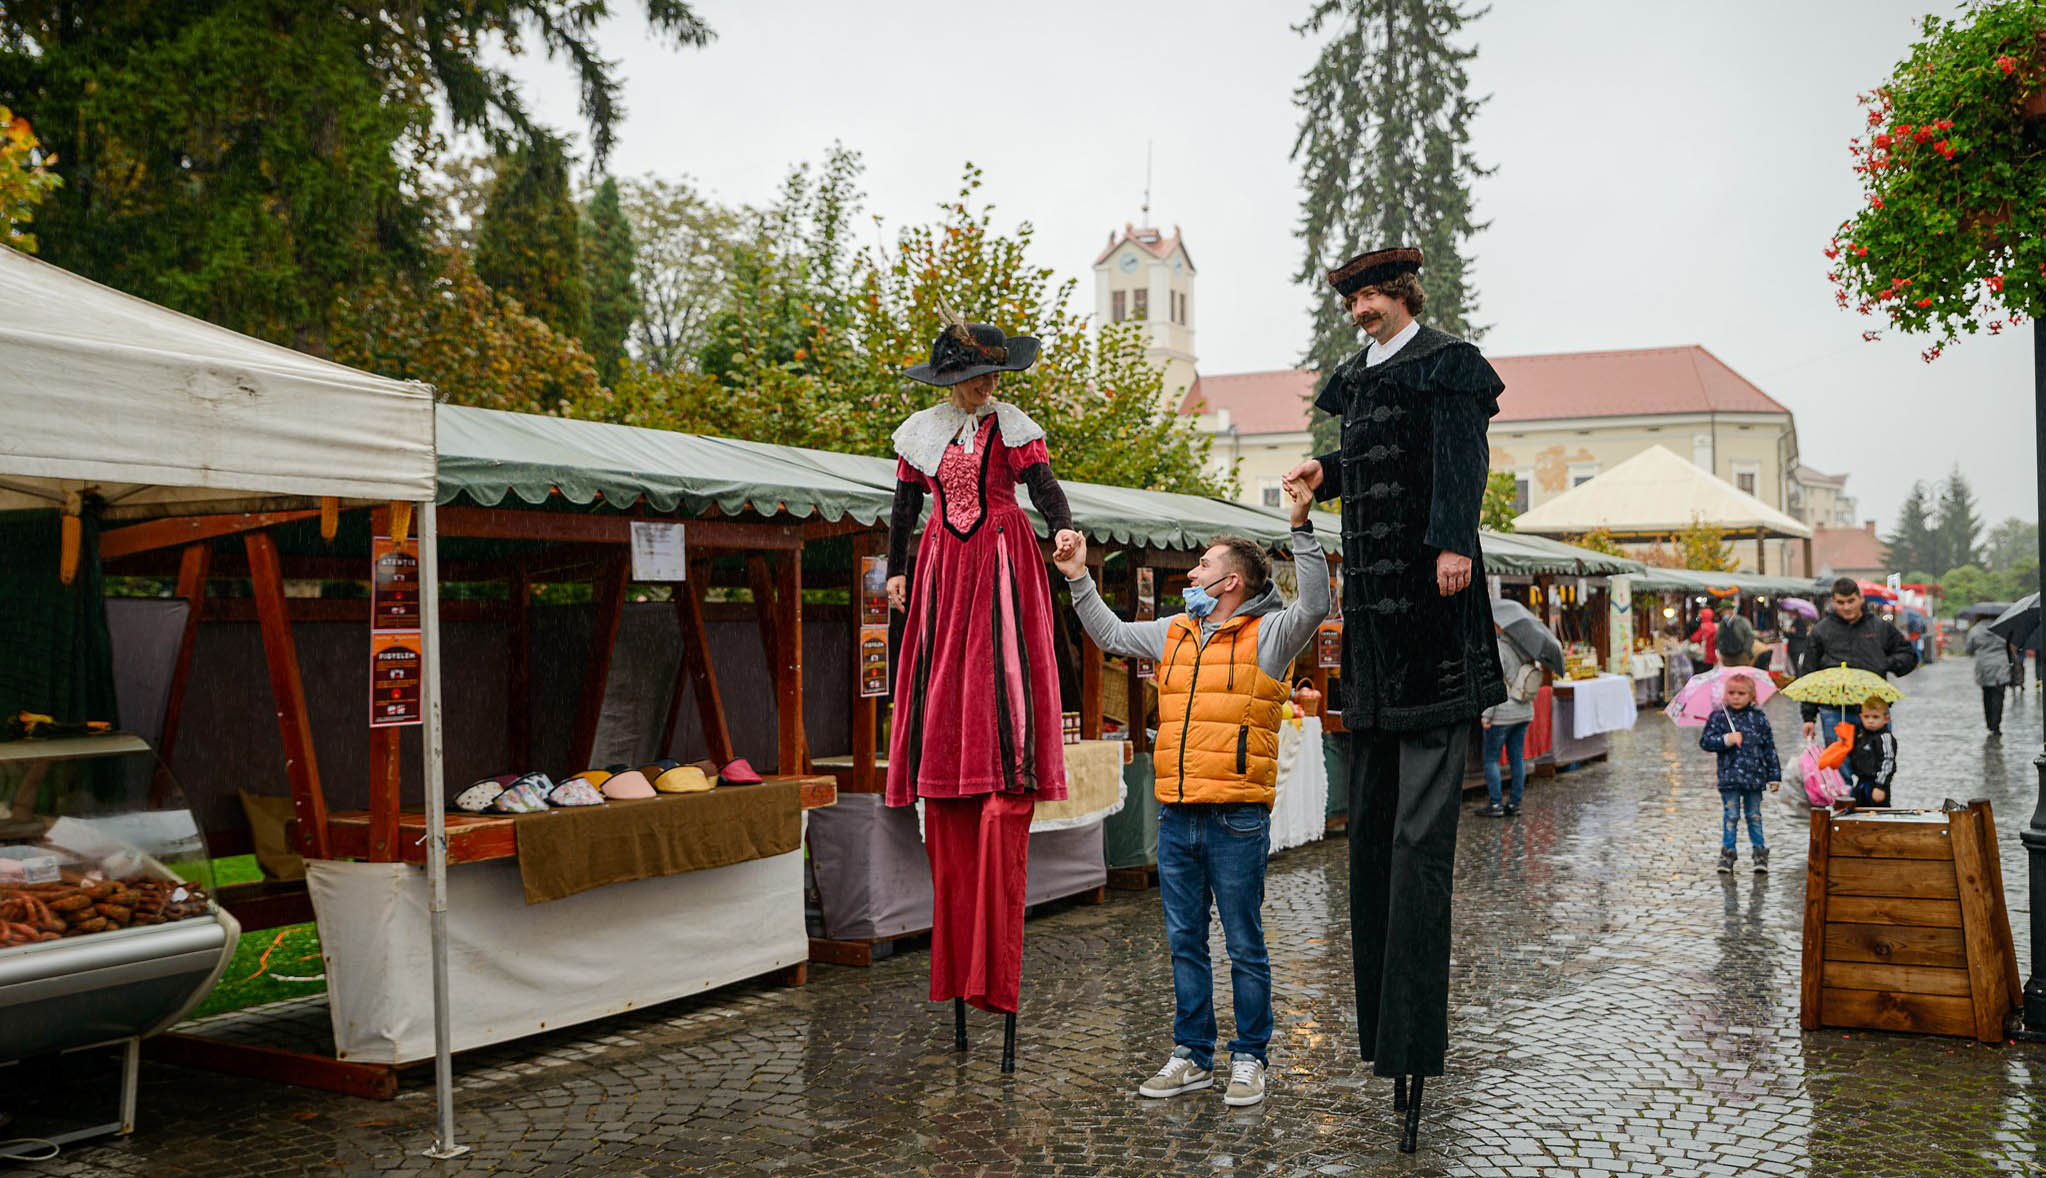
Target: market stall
123 412
537 503
1670 604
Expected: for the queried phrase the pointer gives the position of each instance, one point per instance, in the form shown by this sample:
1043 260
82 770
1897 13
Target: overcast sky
1666 174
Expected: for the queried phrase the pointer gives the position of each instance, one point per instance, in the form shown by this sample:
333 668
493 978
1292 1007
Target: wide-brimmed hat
963 351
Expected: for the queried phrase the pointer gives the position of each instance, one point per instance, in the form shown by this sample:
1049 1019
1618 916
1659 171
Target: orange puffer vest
1218 716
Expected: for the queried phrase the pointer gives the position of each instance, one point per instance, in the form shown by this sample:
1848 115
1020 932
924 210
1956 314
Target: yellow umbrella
1841 687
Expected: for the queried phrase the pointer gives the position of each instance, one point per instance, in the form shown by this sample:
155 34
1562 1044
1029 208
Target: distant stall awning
1717 584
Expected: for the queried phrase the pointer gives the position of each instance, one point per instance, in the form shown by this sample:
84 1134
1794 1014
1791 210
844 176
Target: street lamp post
2034 836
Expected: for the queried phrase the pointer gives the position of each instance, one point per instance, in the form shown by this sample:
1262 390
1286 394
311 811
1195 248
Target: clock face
1129 263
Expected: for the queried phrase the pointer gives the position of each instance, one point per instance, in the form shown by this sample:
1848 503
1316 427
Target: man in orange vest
1222 671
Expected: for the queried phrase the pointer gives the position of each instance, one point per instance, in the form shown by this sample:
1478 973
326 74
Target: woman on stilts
976 733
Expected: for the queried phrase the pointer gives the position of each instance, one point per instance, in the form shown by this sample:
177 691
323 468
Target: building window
1270 492
1115 304
1140 307
1582 473
1521 487
1747 476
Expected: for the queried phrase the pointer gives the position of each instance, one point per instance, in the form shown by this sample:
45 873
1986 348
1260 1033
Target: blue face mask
1198 603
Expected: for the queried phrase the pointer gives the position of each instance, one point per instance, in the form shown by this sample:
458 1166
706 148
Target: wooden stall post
610 599
518 714
287 689
384 772
193 564
866 709
792 749
696 667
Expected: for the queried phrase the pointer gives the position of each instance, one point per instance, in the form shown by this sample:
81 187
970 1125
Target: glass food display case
108 929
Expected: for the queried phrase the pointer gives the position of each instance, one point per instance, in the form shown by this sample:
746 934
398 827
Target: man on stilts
1419 659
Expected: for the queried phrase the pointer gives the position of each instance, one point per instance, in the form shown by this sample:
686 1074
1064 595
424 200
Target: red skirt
977 685
980 857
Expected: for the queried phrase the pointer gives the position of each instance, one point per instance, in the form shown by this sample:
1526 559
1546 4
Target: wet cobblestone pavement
1617 1008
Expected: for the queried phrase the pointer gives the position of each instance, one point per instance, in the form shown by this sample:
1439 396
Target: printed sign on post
658 552
394 680
394 584
874 591
1328 646
873 661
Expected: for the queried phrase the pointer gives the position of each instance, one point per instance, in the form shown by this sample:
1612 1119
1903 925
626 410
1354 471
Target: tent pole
436 837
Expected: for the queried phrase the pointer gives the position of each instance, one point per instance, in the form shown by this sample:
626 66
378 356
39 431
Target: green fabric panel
1129 837
56 658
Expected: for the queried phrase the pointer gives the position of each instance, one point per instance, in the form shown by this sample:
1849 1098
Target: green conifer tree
609 260
1959 528
1913 543
1384 154
529 246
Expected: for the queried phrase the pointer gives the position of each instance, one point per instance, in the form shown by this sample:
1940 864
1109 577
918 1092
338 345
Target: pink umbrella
1798 606
1705 694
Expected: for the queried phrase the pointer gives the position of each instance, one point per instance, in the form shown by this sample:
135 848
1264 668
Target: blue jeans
1512 738
1738 804
1216 852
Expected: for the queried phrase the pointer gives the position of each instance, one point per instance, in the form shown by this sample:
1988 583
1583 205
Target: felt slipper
629 784
477 798
737 772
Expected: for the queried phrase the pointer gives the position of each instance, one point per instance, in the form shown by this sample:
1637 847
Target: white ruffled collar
922 439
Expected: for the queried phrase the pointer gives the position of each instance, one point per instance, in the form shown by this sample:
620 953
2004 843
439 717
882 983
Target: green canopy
1695 581
1519 554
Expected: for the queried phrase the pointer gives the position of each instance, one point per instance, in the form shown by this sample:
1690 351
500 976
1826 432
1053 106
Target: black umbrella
1984 610
1526 632
2018 625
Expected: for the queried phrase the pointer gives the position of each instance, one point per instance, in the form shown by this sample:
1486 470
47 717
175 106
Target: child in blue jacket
1740 734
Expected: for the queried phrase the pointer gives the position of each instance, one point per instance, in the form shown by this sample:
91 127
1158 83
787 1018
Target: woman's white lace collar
923 438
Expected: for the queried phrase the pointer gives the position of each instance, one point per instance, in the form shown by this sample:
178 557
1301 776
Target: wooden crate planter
1904 924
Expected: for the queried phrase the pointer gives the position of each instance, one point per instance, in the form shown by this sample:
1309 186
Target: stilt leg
1410 1137
1399 1094
1008 1043
959 1024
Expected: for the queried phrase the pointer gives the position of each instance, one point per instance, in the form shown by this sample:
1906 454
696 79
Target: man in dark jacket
1853 636
1419 661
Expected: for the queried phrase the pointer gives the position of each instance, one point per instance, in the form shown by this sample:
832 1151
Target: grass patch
269 964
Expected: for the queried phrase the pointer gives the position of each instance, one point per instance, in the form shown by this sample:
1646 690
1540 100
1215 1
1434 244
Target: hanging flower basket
1951 237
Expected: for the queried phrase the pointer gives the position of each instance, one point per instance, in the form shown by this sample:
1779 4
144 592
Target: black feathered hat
965 350
1370 269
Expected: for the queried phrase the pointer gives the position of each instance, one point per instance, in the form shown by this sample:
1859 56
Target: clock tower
1147 277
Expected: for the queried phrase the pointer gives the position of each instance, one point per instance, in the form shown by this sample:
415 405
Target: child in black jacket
1874 758
1748 764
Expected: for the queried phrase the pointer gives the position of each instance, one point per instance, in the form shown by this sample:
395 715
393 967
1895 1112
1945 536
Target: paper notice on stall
658 552
394 584
874 591
1328 646
873 661
394 675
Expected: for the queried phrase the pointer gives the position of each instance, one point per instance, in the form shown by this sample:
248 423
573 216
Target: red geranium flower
2007 64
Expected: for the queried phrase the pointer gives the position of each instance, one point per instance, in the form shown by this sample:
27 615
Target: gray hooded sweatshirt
1281 636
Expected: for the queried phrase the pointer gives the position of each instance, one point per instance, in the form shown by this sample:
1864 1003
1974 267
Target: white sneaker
1178 1075
1246 1081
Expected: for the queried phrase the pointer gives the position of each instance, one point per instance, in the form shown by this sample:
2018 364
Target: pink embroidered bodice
970 485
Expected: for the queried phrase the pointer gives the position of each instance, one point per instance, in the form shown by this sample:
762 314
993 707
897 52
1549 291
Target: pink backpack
1822 787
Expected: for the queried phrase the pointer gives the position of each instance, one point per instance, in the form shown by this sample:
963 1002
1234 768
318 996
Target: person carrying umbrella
1851 636
1993 658
1525 645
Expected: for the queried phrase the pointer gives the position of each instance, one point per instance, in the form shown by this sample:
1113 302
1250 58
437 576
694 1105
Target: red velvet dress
977 687
976 731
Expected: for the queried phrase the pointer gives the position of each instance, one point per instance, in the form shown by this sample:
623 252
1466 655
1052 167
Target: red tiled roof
1156 243
1847 550
1637 382
1258 402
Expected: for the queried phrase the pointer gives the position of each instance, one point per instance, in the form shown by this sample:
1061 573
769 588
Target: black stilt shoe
1410 1136
1009 1043
959 1024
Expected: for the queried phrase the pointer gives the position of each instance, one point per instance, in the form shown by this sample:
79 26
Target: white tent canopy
165 414
1656 491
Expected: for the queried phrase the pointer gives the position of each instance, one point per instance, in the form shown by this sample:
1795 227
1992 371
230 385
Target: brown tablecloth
573 849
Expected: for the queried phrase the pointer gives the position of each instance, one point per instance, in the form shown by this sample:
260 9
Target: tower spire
1147 182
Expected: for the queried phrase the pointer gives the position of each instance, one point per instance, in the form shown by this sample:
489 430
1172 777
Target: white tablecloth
1604 704
1300 814
1645 666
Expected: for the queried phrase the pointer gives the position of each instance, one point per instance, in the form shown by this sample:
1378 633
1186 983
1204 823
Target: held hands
1069 554
1307 474
898 592
1452 573
1302 498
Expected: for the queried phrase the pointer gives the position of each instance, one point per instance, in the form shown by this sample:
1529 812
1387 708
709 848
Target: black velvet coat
1411 474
